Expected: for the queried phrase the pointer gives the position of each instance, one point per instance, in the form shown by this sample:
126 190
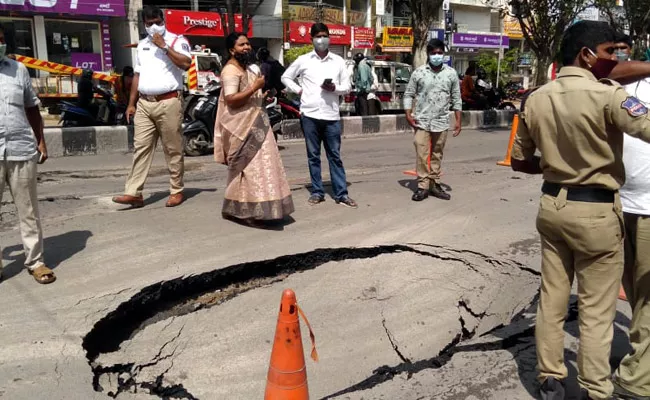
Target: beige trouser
20 176
634 372
154 119
584 240
426 143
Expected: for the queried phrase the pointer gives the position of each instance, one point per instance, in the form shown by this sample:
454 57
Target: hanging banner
363 38
397 37
512 28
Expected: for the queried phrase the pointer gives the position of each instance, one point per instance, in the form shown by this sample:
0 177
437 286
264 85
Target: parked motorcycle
200 116
101 112
290 108
494 97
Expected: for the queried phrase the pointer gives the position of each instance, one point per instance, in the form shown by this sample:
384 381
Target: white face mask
436 59
3 50
321 44
153 29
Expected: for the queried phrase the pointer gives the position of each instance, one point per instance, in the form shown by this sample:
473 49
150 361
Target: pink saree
257 186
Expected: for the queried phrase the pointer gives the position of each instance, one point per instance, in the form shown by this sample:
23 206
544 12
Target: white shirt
315 102
17 141
158 73
635 194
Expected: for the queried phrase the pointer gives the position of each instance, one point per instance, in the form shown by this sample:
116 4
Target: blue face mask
436 59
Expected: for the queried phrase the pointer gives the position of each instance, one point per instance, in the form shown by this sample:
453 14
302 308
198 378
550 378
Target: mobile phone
40 157
327 82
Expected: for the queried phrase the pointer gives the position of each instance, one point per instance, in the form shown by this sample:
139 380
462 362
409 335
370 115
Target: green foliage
293 53
490 63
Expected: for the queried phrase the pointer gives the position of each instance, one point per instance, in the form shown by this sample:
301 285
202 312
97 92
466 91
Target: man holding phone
324 78
20 150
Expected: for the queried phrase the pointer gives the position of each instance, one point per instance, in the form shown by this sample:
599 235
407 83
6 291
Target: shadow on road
57 250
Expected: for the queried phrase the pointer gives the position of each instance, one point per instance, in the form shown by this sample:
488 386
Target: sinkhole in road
477 311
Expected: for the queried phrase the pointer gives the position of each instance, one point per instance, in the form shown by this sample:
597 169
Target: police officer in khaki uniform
577 123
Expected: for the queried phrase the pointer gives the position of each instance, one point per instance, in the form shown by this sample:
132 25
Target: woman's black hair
231 41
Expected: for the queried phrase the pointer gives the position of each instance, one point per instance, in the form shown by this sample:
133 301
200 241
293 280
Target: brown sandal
43 275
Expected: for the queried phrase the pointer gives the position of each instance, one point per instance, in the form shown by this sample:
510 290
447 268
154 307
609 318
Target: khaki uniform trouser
152 120
584 240
20 176
426 143
633 373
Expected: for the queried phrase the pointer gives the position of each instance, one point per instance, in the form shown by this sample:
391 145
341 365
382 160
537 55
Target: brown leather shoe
133 201
175 200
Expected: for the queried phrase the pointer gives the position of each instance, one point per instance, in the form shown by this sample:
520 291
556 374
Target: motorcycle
290 108
494 97
73 115
200 115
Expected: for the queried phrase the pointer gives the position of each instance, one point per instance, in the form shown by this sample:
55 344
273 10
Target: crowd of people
592 134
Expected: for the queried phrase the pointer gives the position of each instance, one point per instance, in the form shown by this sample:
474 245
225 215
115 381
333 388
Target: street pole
500 48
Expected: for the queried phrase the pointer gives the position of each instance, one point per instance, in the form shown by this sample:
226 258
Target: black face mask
245 59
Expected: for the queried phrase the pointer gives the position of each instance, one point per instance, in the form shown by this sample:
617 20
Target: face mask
153 29
602 67
245 59
622 56
436 59
3 50
321 44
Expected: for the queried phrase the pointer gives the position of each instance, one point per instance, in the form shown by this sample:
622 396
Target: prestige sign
198 23
340 35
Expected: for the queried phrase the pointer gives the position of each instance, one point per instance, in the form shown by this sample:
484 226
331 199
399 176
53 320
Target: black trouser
364 106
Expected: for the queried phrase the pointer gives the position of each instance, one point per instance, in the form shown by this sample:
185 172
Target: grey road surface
430 300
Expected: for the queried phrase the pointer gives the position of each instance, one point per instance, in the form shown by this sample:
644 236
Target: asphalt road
430 300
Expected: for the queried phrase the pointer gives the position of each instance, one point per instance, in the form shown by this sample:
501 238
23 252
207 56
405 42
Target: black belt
580 193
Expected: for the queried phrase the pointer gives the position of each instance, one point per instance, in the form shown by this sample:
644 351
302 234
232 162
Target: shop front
467 47
67 32
207 29
340 36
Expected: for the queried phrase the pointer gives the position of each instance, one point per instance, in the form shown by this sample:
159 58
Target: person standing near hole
157 89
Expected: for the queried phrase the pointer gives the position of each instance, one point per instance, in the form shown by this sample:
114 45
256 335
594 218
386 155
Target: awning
395 49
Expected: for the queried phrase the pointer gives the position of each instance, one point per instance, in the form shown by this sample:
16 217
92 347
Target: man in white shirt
157 88
632 378
22 146
324 78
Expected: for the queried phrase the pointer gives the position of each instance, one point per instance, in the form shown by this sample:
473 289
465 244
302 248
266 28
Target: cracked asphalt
430 300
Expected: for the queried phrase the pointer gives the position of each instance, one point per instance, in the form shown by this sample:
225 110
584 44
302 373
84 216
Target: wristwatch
165 49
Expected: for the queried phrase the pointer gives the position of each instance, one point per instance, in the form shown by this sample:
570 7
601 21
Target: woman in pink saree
243 140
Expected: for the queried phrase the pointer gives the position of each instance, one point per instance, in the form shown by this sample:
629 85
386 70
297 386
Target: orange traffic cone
513 133
621 294
287 377
412 172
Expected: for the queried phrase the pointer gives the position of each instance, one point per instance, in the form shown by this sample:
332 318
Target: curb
64 142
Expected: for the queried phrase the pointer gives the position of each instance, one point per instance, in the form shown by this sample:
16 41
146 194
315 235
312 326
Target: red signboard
340 35
198 23
363 38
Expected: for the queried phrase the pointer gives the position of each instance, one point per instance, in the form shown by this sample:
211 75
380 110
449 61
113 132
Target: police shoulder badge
634 107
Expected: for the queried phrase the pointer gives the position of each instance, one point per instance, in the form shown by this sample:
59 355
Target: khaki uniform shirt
577 123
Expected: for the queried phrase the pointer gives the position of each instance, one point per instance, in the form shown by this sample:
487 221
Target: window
383 75
74 43
402 75
19 37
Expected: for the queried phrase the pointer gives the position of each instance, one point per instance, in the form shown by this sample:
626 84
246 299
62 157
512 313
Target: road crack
393 342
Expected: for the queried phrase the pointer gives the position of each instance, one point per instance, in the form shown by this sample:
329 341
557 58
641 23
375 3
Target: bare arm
133 97
36 122
630 71
239 99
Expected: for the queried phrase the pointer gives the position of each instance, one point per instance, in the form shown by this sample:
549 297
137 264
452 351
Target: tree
543 23
424 15
490 63
228 8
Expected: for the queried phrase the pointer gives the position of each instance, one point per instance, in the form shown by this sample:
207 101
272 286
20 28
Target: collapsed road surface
403 296
381 306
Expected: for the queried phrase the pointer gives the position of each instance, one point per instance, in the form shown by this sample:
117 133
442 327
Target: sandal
43 275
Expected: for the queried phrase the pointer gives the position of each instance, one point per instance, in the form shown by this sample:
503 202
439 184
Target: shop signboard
437 34
397 37
469 40
86 61
330 15
107 8
106 45
512 28
340 35
199 23
363 38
